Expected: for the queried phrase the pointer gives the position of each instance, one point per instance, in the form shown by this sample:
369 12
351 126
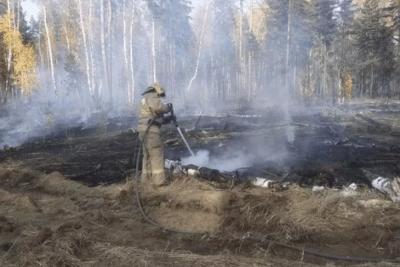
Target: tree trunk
125 51
371 94
103 46
40 44
241 60
288 39
153 46
203 27
49 50
132 68
67 38
91 49
9 56
18 15
325 84
110 55
251 15
85 47
250 78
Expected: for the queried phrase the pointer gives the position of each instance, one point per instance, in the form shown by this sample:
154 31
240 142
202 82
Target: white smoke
201 158
229 161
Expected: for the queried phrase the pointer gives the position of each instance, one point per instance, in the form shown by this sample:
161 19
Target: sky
31 9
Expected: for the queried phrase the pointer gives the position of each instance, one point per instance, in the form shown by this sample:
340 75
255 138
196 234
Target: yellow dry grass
48 220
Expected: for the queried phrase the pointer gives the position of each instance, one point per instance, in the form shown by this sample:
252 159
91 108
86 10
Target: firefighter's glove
170 107
169 119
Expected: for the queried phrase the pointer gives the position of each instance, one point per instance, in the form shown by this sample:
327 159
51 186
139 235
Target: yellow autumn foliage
260 22
347 85
23 56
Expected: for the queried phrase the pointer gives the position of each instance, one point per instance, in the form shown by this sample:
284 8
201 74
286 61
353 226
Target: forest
102 54
281 146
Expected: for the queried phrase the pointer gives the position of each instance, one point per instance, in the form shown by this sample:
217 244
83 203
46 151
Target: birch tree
105 82
49 49
173 35
85 47
200 46
131 90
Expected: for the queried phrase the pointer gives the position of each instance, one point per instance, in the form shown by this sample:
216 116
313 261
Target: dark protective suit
152 107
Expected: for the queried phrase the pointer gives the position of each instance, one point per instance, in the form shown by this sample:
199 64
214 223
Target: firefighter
151 118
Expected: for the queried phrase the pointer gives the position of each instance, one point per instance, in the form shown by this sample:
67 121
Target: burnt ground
66 195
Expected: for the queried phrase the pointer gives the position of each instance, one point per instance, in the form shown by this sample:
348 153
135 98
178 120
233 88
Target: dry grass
129 256
47 220
300 215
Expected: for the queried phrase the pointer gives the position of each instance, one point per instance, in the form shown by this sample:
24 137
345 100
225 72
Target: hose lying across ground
140 145
252 237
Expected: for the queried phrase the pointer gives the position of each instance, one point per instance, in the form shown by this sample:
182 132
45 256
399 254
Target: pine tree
325 78
222 53
3 7
374 41
345 13
277 47
70 43
288 43
394 12
343 49
324 21
175 39
301 43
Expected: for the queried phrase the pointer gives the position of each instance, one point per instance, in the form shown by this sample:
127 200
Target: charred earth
67 198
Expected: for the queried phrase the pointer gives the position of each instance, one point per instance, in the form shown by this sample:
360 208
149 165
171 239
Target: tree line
103 53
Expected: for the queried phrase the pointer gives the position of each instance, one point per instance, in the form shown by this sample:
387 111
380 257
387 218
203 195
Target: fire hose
141 145
175 122
250 236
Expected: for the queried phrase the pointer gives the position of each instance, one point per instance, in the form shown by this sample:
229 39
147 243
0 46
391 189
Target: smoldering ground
242 152
105 78
69 222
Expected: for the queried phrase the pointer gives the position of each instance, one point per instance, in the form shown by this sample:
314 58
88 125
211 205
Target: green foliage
309 47
172 20
375 48
324 21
